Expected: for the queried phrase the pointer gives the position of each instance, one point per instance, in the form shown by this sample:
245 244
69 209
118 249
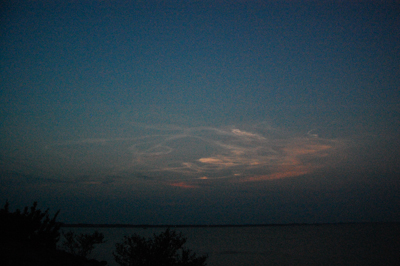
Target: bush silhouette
82 244
31 226
165 249
30 238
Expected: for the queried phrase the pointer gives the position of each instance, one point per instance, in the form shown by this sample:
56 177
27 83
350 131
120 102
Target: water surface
332 244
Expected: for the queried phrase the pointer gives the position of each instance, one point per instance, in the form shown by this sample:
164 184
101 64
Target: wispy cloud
183 185
173 154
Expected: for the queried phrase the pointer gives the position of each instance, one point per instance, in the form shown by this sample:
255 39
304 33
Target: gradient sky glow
201 112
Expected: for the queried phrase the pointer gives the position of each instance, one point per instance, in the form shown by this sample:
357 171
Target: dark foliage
82 244
165 249
31 226
30 238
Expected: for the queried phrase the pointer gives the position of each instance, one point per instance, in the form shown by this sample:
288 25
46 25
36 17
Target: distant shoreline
209 226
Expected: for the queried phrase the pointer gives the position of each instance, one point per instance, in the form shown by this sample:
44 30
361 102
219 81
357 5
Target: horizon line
212 225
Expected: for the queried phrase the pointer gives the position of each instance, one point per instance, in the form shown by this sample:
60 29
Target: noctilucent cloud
201 112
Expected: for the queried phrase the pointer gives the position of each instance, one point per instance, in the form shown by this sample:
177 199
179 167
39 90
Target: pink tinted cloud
183 185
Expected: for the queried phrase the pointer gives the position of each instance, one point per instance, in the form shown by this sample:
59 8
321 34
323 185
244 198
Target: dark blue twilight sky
201 112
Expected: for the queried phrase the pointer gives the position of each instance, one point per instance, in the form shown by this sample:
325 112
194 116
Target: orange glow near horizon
280 175
292 164
183 185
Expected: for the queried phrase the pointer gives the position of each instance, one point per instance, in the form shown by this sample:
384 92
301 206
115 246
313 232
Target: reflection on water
345 244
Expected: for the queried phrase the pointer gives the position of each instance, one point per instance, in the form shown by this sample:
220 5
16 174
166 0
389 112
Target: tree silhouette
30 238
31 226
82 244
165 249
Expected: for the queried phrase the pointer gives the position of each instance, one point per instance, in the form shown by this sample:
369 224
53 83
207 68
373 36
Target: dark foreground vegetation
163 249
30 237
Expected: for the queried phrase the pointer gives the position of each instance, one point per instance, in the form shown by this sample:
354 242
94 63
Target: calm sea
331 244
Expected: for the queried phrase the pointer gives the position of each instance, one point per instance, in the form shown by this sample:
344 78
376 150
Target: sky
201 112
